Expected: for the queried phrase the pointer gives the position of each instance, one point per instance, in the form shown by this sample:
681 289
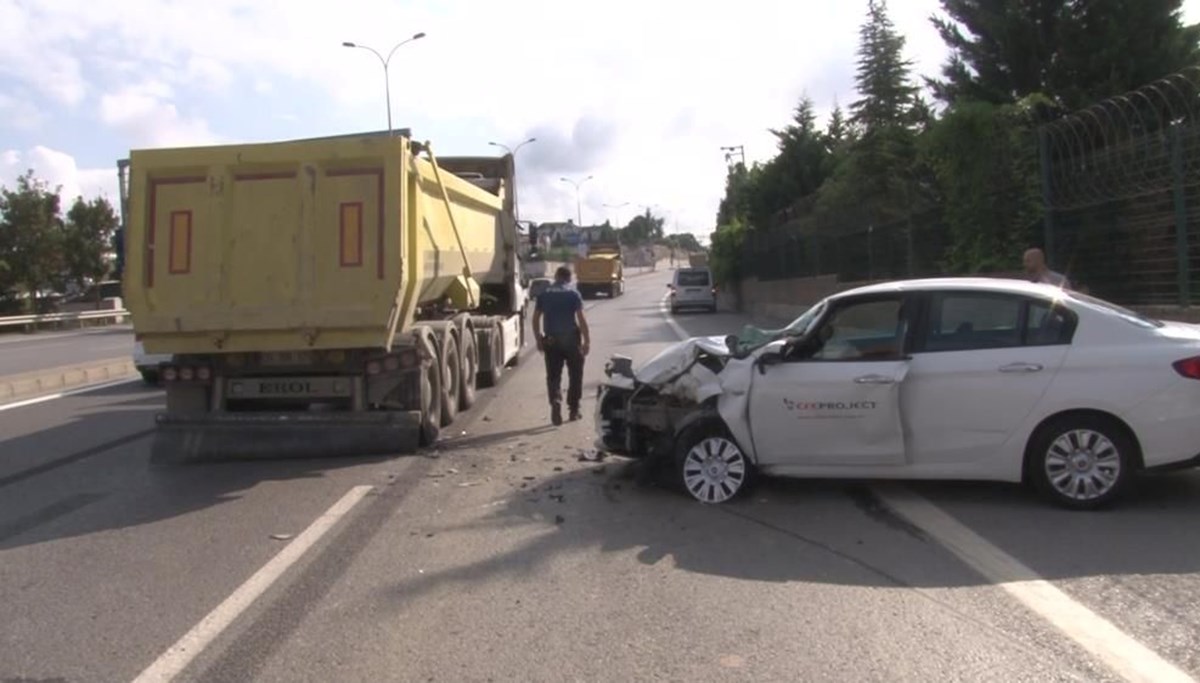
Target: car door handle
874 379
1021 367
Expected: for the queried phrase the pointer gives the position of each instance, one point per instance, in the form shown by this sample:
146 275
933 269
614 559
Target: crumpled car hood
672 360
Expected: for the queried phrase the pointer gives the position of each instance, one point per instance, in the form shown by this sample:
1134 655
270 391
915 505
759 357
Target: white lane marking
63 394
1119 651
665 309
1125 655
178 656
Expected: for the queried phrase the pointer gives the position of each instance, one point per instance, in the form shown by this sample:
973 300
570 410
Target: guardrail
81 317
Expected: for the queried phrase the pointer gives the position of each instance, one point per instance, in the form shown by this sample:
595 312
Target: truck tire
470 368
495 350
451 376
430 393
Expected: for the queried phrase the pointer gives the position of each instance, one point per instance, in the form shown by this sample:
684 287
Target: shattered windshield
752 338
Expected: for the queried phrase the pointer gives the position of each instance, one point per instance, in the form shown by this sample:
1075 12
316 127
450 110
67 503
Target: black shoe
575 415
556 414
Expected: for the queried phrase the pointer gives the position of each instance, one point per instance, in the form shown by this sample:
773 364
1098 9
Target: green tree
887 110
984 159
87 237
1076 51
31 237
644 229
798 169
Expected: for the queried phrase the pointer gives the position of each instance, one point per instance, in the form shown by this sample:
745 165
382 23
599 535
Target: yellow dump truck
324 296
600 271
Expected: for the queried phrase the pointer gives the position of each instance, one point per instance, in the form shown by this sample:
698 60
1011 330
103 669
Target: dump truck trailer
341 295
602 270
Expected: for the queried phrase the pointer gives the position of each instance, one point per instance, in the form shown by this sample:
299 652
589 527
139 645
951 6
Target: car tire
451 377
709 465
1081 462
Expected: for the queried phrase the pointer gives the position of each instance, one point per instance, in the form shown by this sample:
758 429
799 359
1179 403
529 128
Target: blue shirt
558 306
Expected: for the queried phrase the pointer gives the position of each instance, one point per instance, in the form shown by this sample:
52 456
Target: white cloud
59 169
19 112
640 94
144 113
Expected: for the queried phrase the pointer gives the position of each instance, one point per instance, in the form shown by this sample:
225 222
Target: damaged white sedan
962 378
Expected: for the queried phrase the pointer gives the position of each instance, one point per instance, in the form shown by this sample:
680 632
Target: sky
639 95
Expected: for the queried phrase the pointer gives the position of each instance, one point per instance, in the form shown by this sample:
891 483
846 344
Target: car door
833 399
981 362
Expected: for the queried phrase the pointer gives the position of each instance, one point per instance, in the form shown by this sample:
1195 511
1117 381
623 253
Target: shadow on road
102 455
832 532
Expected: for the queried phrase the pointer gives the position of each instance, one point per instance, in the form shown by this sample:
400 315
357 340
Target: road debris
558 497
281 537
559 519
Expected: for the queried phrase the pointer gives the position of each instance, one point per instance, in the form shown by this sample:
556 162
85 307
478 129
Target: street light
513 154
617 210
387 82
730 149
578 206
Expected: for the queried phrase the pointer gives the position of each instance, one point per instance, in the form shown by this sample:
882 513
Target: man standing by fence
562 336
1038 271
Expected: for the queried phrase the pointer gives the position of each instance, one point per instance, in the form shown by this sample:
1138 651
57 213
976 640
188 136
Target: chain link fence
1121 192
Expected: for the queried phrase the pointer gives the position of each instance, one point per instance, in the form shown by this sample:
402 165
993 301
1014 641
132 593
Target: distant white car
148 364
984 379
693 288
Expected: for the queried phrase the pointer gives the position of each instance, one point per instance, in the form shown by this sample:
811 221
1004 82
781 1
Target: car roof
982 284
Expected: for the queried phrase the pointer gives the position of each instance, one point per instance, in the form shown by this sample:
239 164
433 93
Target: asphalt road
500 555
21 353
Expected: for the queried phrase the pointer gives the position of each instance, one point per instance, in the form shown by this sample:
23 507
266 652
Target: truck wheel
431 403
451 377
470 369
495 349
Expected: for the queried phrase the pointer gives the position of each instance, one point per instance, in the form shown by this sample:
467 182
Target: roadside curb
31 384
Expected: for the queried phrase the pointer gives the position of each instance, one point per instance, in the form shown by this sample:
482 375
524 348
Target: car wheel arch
1104 415
708 414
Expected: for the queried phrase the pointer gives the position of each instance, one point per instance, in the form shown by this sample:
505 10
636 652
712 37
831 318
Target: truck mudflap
236 436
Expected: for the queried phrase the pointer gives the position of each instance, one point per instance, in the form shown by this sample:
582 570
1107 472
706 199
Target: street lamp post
617 210
731 149
386 61
578 205
513 153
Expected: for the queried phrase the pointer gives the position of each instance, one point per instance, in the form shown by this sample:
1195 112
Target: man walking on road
562 336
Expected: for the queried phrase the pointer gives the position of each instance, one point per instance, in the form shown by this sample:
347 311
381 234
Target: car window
965 321
962 321
867 330
692 278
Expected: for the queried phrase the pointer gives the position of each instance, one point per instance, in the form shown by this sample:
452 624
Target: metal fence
1122 188
1121 192
854 249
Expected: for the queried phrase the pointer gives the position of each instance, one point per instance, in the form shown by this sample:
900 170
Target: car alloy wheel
714 470
1083 461
1083 464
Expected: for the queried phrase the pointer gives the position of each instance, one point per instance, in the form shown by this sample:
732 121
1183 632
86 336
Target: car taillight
186 374
1188 367
170 374
203 374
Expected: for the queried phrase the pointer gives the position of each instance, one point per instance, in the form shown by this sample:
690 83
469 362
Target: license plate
276 358
290 387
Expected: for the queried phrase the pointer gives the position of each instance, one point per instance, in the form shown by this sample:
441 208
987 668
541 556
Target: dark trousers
558 354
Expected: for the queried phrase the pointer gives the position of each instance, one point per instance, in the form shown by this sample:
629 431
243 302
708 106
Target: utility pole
730 150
